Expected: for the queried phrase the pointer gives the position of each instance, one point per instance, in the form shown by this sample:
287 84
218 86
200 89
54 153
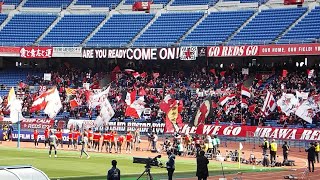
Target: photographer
170 164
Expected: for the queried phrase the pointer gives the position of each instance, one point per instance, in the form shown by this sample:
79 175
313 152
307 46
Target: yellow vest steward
274 146
318 148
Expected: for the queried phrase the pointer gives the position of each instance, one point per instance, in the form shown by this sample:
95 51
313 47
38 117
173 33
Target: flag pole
18 143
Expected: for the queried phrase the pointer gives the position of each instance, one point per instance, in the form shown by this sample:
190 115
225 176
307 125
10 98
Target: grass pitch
69 166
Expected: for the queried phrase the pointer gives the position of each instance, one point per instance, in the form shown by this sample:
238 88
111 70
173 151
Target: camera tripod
147 170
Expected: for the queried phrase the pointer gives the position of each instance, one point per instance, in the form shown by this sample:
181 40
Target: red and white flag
136 108
230 106
223 100
40 103
136 74
310 73
15 107
244 103
245 91
98 98
172 108
53 103
155 75
288 103
269 104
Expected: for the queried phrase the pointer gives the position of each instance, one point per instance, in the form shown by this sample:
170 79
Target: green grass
69 166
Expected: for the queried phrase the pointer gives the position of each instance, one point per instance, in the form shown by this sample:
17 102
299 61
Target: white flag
106 111
288 103
98 98
15 107
54 104
240 146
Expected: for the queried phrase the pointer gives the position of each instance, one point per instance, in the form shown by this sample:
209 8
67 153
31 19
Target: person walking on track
53 144
84 146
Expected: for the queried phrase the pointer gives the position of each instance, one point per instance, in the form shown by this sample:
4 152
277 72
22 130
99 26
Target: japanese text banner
36 52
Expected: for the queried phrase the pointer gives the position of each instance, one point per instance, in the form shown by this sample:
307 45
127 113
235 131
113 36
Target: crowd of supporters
191 85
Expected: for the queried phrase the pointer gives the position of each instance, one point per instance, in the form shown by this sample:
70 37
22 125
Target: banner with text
67 52
175 53
36 52
264 50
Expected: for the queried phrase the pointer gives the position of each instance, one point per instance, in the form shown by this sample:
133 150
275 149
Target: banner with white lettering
175 53
299 134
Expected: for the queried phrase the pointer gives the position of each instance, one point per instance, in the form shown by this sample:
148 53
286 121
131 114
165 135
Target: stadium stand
119 29
167 29
99 3
164 2
71 30
267 26
2 17
12 2
47 3
24 29
217 27
310 24
189 2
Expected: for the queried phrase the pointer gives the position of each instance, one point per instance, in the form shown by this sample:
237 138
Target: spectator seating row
71 30
48 3
99 3
167 29
24 29
268 25
307 30
120 29
217 27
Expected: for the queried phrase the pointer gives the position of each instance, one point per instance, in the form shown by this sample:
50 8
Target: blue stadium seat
24 29
164 2
189 2
167 29
48 3
98 3
71 30
2 18
119 29
267 26
12 2
307 30
217 27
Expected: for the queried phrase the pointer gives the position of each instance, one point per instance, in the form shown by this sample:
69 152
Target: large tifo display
298 134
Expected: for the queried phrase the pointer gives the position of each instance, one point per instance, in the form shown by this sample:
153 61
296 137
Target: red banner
36 123
8 51
36 52
250 131
141 6
264 50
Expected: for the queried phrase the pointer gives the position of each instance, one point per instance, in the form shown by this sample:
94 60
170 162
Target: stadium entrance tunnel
21 173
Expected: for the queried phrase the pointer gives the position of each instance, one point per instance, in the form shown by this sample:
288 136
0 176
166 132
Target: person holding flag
46 136
70 137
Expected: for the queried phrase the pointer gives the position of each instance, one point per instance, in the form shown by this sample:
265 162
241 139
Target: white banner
47 76
67 52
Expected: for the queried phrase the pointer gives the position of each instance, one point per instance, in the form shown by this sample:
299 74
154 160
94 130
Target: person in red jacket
59 136
96 140
106 141
36 138
113 134
70 137
90 138
76 135
129 139
120 140
46 137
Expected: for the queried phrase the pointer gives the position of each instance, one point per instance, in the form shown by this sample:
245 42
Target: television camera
149 162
